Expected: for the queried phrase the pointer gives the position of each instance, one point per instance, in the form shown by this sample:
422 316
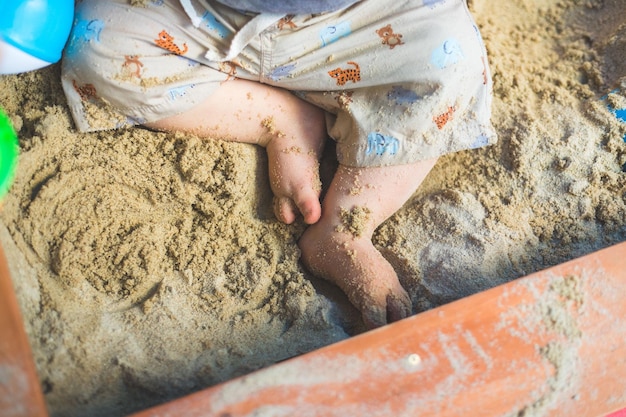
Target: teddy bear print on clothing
130 62
390 38
85 91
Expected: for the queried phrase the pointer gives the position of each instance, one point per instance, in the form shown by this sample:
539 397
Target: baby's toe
285 209
374 316
309 205
305 202
399 306
395 306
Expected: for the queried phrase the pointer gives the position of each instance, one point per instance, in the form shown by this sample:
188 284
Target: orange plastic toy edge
20 393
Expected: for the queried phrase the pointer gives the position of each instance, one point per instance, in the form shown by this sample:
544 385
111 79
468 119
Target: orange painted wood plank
20 393
550 344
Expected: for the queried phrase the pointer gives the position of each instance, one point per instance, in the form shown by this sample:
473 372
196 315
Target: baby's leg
292 131
339 246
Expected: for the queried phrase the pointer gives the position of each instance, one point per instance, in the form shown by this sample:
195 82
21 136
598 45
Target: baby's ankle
322 247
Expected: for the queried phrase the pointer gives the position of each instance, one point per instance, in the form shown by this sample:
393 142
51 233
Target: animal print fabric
401 81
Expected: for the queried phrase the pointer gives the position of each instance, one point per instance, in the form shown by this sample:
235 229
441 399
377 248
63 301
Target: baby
395 83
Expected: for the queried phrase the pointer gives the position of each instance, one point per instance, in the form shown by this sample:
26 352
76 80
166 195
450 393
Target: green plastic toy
9 150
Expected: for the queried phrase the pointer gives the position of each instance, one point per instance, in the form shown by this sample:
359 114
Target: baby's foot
355 266
294 169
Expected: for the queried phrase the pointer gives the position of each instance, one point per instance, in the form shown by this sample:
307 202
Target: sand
149 265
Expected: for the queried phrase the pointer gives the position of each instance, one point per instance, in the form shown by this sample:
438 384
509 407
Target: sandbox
149 266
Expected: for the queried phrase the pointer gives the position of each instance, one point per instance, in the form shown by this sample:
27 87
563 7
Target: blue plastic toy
33 33
621 116
32 36
619 113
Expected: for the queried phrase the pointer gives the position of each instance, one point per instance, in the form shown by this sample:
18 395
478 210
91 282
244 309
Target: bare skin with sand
293 134
291 131
348 258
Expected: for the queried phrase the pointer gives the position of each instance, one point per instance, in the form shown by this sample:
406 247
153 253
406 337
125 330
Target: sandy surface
149 266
